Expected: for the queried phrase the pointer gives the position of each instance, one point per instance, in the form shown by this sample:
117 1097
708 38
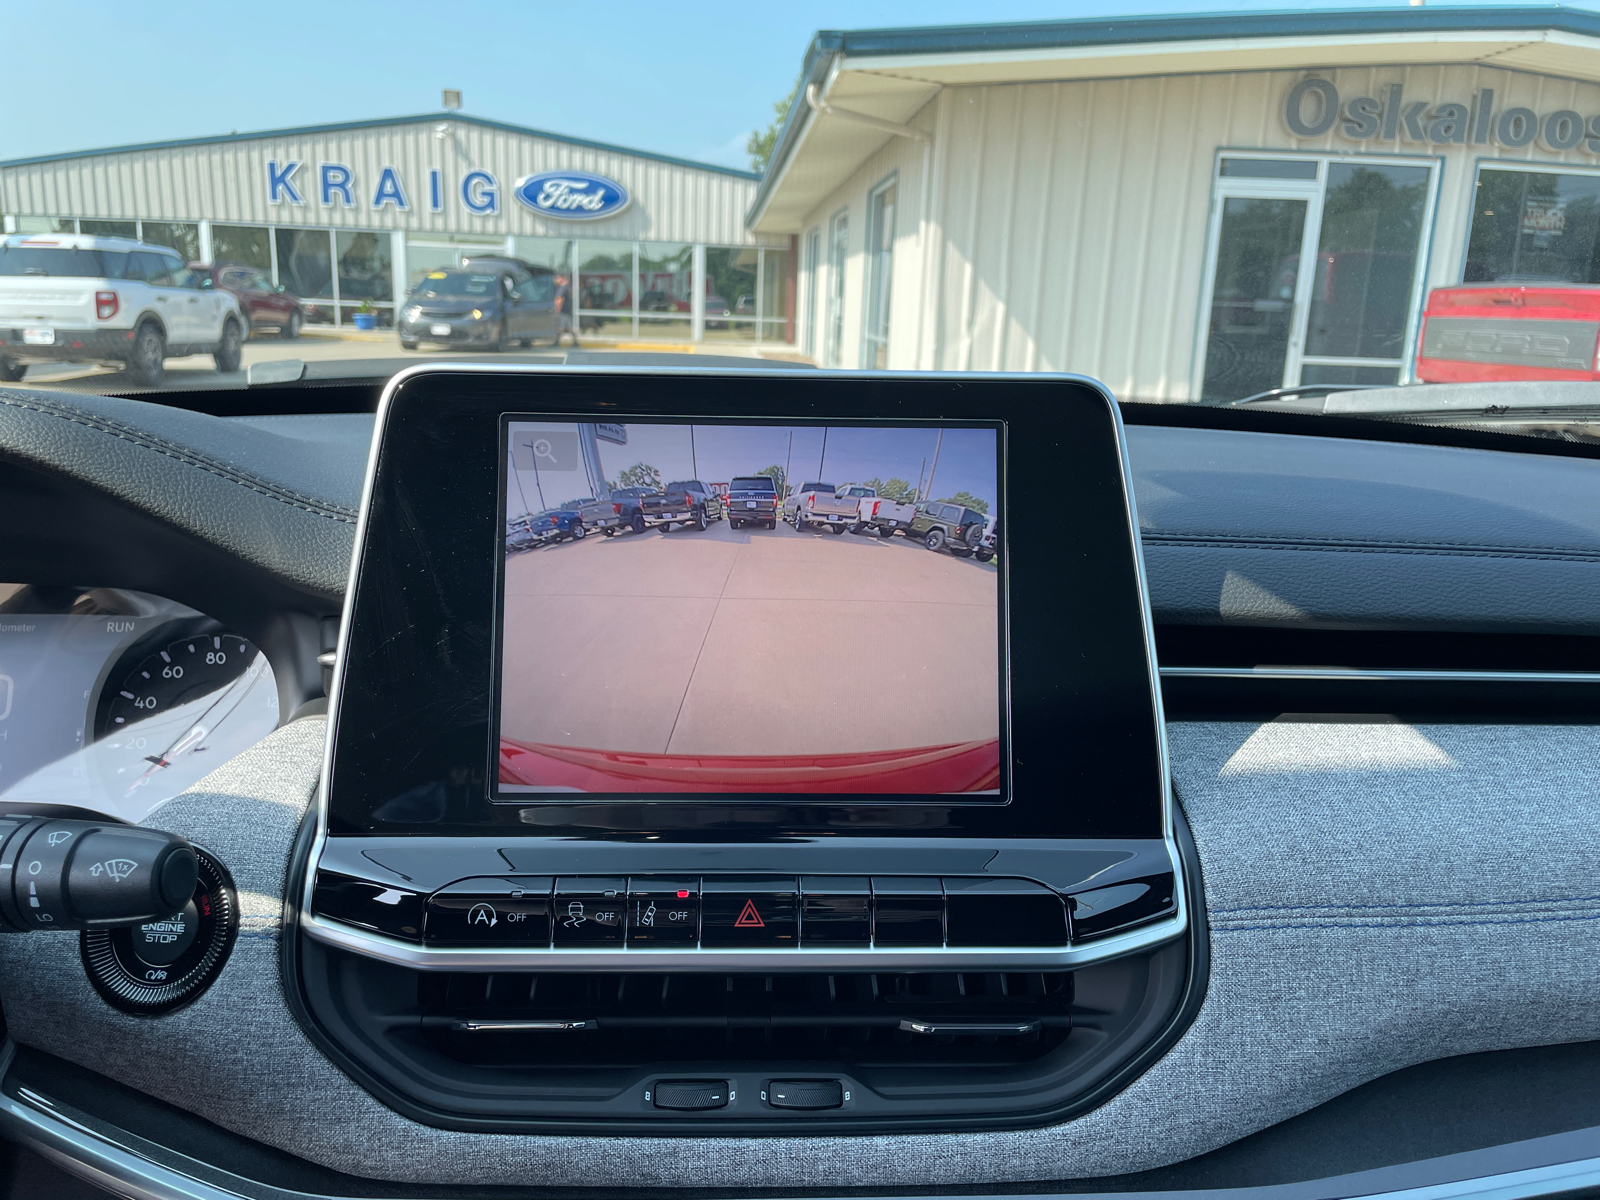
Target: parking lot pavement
749 641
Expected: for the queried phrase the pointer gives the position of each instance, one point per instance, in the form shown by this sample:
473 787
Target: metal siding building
1063 202
216 191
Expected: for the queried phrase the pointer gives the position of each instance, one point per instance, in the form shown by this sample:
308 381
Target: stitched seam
1571 554
1264 908
192 459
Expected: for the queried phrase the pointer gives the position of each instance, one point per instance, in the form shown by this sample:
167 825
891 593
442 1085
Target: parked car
116 301
603 515
886 517
684 502
1509 330
859 492
494 306
520 535
717 312
661 302
991 542
951 527
753 500
816 504
557 525
625 502
266 305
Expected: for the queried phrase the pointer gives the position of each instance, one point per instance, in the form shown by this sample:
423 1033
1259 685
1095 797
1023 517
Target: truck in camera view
818 504
597 514
684 502
886 517
752 500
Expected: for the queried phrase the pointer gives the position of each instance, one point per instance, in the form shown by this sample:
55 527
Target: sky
966 457
688 80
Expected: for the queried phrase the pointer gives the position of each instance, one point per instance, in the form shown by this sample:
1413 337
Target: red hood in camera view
960 767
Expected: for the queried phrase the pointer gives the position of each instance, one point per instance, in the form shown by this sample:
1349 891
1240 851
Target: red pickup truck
1499 331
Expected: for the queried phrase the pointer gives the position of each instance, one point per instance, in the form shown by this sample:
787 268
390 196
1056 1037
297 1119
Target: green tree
763 142
778 480
892 489
967 500
640 475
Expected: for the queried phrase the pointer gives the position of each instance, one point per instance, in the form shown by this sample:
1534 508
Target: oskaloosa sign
572 195
1314 108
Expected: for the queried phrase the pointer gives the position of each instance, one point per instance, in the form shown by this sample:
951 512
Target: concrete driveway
749 641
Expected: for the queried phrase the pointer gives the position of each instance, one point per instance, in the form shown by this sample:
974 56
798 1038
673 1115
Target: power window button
805 1093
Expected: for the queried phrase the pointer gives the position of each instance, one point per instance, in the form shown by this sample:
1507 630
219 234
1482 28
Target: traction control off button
805 1093
690 1093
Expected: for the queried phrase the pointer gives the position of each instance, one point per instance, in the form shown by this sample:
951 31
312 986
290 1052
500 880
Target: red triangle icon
749 918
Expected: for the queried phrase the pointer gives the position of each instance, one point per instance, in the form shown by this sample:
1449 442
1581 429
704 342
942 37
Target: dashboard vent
861 1019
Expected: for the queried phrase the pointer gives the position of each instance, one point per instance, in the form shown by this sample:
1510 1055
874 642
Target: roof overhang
890 75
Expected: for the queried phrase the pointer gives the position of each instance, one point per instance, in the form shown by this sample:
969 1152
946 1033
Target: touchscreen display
734 608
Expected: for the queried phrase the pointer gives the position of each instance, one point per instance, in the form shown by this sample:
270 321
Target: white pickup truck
77 298
818 504
885 517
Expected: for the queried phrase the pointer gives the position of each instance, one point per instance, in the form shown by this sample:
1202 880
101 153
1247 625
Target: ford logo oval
572 195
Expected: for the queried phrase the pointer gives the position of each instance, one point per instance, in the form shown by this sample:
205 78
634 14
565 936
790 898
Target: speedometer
180 671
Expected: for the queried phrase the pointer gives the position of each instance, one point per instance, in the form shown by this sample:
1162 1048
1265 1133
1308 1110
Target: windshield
455 285
1336 209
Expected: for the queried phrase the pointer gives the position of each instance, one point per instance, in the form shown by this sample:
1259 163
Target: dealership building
1193 207
351 216
1183 207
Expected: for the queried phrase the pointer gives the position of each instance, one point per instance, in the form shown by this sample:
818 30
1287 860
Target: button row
725 912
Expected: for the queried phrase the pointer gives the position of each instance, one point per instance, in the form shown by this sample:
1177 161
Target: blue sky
689 80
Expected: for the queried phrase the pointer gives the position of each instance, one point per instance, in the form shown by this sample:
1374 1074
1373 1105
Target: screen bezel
411 740
1001 664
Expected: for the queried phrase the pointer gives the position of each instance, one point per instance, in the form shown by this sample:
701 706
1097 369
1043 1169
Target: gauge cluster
116 701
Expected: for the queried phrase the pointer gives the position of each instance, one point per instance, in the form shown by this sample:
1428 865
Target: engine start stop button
160 943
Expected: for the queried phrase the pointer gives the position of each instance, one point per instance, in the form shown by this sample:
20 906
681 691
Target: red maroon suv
265 305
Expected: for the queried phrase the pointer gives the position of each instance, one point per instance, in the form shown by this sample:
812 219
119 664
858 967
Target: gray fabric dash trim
1382 895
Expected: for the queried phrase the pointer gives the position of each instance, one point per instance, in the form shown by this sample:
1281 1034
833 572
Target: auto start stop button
161 943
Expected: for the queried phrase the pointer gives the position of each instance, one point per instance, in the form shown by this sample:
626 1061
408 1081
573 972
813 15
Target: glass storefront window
384 313
811 269
777 297
46 225
731 277
1366 260
605 293
182 236
1534 226
833 319
555 253
666 282
248 244
880 266
422 259
305 268
122 229
365 266
1252 300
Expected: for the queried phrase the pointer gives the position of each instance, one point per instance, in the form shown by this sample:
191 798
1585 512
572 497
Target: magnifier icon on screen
541 449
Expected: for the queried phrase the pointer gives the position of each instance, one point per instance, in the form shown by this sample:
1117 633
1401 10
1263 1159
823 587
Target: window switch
805 1093
691 1093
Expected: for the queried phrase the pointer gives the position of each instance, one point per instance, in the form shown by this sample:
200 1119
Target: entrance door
1316 273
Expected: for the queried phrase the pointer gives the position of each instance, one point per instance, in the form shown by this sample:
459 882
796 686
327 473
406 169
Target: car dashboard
1353 955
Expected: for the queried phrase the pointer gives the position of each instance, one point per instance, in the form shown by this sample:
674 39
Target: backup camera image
737 608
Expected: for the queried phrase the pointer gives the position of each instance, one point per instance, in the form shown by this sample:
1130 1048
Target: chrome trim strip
522 1026
388 949
972 1029
646 958
1380 674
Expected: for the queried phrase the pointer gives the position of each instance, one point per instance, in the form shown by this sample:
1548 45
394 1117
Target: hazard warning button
750 911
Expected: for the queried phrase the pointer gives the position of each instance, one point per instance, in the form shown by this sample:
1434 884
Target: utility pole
823 457
917 494
694 460
936 448
537 484
787 463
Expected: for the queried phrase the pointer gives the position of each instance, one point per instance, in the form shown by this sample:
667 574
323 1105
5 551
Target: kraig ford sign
572 195
563 195
1314 108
